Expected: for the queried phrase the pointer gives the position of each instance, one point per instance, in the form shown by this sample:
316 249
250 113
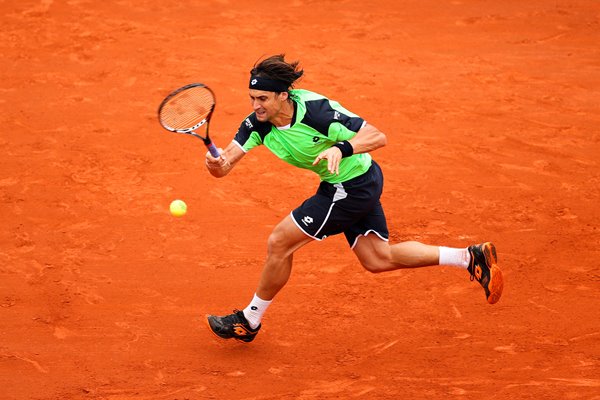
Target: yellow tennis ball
178 208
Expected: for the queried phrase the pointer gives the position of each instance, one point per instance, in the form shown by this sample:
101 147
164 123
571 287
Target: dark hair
276 68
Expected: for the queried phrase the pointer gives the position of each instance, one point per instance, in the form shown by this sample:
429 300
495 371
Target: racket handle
213 150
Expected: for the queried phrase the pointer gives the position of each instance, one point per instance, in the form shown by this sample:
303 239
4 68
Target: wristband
345 147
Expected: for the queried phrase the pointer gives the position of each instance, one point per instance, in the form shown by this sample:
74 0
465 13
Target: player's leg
377 255
243 325
285 239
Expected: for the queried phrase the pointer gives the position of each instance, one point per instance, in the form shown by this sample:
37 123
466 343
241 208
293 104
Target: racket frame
191 131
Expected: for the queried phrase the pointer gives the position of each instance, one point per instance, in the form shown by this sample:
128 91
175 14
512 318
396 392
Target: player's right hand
215 163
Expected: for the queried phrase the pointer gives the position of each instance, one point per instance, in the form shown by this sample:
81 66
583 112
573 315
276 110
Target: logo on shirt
307 220
336 116
315 139
253 82
248 123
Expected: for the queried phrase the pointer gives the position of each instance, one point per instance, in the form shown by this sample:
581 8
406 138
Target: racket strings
187 108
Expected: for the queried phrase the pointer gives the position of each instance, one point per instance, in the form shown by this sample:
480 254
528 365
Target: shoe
232 326
483 268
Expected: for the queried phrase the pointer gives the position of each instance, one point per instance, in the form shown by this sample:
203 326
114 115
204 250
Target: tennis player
313 132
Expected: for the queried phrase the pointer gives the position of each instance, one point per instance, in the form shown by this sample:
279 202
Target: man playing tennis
310 131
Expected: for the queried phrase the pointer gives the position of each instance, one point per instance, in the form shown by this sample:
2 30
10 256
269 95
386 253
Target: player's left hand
333 155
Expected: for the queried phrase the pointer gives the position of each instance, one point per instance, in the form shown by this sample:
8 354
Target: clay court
491 113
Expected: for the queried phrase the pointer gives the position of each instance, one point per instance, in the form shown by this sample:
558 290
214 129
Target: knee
277 246
376 263
374 267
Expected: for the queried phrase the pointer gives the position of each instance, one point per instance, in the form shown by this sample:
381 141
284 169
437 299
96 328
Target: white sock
255 311
454 257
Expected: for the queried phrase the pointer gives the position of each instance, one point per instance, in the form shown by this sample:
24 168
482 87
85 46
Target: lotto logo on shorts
307 220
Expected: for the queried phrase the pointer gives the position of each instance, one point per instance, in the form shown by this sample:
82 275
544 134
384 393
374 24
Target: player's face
267 105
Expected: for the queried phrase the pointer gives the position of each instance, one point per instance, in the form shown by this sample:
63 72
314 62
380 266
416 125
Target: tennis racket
187 109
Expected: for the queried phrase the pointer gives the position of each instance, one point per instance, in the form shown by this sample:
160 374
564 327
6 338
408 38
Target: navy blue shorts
351 207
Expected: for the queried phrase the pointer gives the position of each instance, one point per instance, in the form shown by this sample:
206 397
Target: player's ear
283 96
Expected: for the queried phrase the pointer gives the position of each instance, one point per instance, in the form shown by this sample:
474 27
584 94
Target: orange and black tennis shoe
232 326
484 270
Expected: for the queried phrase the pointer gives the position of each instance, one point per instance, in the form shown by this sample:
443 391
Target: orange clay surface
491 111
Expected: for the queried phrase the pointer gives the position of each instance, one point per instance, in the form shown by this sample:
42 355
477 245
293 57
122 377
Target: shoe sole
221 337
496 284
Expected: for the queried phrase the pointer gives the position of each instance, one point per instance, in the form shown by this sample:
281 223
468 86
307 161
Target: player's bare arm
367 139
222 165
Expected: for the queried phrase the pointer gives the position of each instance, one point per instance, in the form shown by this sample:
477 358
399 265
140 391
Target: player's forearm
367 139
